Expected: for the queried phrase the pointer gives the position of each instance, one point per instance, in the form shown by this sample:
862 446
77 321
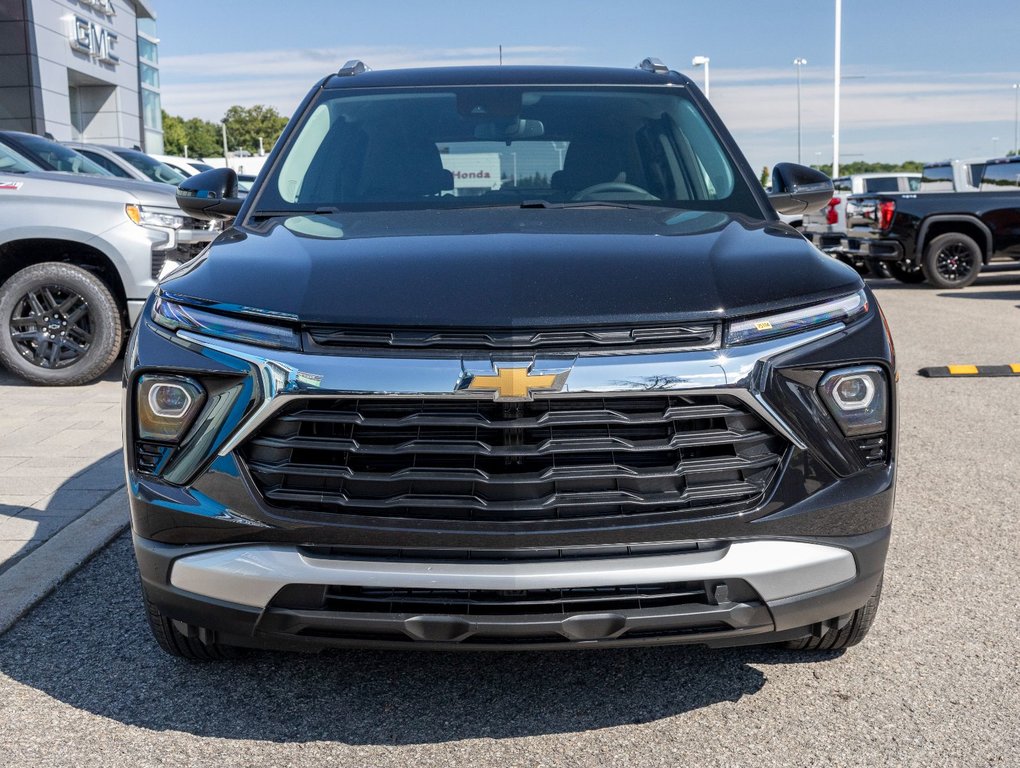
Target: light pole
995 146
835 107
798 63
1016 118
702 61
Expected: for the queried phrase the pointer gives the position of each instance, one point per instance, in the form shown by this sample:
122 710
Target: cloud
204 85
885 115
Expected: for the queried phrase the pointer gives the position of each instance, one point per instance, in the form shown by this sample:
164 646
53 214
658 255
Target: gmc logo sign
88 37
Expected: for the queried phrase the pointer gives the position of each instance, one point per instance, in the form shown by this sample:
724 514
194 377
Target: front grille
551 459
462 602
615 339
183 253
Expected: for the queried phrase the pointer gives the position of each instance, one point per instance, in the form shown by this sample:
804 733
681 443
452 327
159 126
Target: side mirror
798 189
210 195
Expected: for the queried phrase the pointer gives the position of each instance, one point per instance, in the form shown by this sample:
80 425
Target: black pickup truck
944 238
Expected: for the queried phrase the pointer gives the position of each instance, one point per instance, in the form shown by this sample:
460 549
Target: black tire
911 275
878 270
59 325
952 260
852 632
181 645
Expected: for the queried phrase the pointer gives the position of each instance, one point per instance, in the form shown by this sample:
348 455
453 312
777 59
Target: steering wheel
614 187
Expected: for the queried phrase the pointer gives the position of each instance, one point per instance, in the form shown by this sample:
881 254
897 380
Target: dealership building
81 70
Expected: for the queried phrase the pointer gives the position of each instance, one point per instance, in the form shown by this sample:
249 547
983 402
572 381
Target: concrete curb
43 569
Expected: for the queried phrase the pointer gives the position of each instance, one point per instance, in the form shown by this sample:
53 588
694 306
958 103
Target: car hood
507 268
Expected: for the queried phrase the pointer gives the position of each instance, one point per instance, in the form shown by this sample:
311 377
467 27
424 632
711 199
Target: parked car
942 237
952 176
612 402
183 165
49 155
78 257
129 163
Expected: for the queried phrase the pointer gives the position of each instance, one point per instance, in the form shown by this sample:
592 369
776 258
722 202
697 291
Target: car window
842 185
937 178
151 167
882 184
1001 176
913 183
12 162
503 145
60 158
106 163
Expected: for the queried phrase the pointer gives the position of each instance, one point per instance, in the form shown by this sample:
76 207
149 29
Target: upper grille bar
681 336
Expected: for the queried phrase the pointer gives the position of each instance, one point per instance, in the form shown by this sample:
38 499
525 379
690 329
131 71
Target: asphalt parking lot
935 683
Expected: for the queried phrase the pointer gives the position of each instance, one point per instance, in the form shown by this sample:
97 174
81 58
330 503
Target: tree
175 136
246 125
201 137
862 166
764 178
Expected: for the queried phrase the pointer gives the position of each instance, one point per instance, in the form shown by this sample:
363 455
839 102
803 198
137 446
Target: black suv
512 357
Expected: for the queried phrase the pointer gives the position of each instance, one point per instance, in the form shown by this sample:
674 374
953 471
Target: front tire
59 325
183 646
952 260
850 634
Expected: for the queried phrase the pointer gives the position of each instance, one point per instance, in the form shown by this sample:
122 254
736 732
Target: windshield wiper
324 210
580 204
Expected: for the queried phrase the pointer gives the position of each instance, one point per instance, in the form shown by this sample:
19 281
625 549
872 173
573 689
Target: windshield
12 162
60 158
504 145
151 167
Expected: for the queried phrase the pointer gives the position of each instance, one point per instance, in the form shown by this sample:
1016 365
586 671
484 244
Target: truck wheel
59 325
952 260
851 634
178 644
878 269
906 274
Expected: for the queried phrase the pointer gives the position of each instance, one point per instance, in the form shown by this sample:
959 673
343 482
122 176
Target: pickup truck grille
554 458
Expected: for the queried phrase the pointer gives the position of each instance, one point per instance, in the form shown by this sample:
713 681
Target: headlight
179 317
147 216
856 398
166 406
757 329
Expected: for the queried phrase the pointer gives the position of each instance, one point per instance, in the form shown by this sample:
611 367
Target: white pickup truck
78 257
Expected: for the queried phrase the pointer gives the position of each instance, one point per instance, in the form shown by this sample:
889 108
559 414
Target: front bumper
755 592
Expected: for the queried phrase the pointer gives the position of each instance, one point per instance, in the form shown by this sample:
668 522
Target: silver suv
78 257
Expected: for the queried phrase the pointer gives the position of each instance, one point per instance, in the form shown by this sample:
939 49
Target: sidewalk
60 456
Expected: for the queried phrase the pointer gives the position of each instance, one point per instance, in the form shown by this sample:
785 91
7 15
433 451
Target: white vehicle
128 163
79 256
952 176
186 166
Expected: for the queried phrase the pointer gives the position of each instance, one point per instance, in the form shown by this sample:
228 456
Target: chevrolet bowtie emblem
514 383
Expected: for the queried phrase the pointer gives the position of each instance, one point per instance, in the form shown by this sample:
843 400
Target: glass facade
148 82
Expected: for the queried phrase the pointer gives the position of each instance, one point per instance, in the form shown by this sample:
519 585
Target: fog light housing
167 405
857 399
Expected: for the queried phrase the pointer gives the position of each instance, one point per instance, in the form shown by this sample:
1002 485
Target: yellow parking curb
947 371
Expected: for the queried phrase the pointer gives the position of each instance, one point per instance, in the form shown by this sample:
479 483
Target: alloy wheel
954 262
51 326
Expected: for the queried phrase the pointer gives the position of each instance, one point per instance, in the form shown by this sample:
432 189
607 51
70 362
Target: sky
922 79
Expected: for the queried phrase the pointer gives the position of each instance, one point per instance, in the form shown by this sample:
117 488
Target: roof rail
652 64
353 67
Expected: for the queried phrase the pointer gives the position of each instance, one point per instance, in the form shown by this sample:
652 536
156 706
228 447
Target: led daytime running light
178 317
757 329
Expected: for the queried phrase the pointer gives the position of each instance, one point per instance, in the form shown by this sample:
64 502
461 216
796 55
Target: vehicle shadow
88 646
